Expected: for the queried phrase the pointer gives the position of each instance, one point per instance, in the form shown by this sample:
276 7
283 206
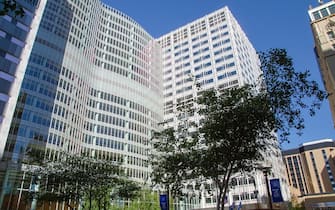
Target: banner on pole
163 202
276 191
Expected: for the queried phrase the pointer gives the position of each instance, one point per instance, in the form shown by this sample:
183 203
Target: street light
34 188
265 171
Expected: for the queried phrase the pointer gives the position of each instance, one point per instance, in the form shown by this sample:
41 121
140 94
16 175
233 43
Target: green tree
236 125
11 6
73 179
172 159
231 137
145 200
127 189
289 91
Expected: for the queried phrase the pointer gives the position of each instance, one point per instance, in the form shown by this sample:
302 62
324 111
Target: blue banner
276 191
232 207
163 202
240 206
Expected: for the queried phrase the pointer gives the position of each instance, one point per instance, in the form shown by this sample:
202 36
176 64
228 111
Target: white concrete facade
214 52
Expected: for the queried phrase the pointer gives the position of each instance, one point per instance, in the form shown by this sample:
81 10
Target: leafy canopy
235 126
8 6
289 91
73 178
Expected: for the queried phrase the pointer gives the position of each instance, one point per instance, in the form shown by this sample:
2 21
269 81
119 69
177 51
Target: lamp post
165 203
265 172
34 188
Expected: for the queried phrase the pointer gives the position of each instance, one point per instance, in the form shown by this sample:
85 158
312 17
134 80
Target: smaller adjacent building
310 171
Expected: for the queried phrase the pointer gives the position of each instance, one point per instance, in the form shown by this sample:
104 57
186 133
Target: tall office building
323 27
310 169
92 87
213 52
16 38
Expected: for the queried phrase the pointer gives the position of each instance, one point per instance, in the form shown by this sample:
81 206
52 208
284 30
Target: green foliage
236 125
230 138
127 190
299 206
146 200
289 91
74 178
172 159
11 6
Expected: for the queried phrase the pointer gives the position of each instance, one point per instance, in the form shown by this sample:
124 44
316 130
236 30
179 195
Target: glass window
209 81
208 72
2 107
219 60
215 38
203 35
216 44
230 64
223 27
198 76
217 52
205 49
197 60
332 9
187 71
324 12
207 64
185 50
331 35
195 39
220 68
205 57
198 68
4 86
316 15
196 45
222 76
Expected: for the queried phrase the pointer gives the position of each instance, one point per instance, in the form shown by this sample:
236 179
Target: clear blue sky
268 24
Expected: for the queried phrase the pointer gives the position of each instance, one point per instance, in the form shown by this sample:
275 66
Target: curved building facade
92 87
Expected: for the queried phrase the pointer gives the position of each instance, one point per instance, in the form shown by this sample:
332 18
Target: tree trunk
218 197
69 205
90 199
225 185
105 204
99 203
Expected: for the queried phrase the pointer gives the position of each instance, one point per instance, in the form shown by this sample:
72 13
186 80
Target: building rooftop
317 144
322 11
